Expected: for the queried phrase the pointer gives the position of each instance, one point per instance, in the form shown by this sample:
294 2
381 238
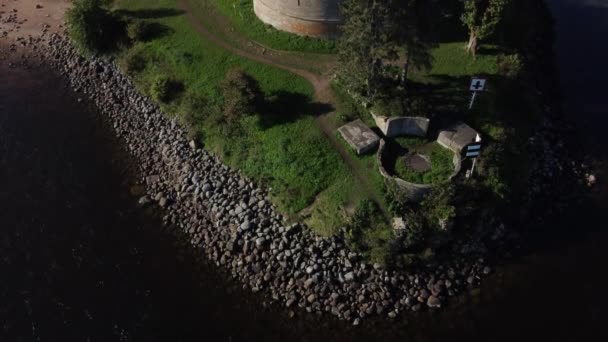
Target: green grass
284 149
241 15
347 193
451 59
441 162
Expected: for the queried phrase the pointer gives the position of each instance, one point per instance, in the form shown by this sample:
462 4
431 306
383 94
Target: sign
478 84
473 154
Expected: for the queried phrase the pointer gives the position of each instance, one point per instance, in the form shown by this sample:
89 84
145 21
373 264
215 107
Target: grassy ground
243 18
280 146
441 162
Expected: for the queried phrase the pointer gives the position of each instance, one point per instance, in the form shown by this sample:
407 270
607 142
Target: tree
376 33
92 26
410 34
363 44
481 18
240 92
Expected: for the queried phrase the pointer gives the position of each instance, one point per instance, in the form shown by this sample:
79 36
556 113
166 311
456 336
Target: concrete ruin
403 125
359 136
315 18
457 136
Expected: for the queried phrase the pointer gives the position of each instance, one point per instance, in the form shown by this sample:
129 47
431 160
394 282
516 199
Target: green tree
409 32
92 26
481 18
364 44
375 34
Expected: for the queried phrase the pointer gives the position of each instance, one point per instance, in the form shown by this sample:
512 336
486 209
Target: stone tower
316 18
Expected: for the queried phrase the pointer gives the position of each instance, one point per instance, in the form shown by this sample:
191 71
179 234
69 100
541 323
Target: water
80 262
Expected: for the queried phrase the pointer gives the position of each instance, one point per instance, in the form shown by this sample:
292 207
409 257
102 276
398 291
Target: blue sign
473 154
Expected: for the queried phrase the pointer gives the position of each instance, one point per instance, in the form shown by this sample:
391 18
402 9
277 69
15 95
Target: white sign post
477 84
473 151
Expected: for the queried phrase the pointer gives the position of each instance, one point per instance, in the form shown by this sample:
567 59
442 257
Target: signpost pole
474 150
472 100
473 168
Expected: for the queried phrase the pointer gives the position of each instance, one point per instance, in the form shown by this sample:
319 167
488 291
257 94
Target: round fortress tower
316 18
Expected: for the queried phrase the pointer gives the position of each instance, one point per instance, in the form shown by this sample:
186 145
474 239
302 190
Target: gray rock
246 225
259 242
433 302
163 202
144 200
311 298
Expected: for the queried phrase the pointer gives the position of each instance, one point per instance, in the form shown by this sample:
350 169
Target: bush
164 89
191 112
415 229
510 66
137 30
418 106
93 28
392 106
491 165
241 93
134 61
437 206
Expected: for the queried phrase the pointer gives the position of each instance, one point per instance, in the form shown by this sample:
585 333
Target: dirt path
322 92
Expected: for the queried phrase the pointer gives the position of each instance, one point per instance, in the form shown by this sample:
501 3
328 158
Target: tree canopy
376 33
481 18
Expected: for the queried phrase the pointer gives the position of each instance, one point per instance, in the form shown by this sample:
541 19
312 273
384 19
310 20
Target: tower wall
316 18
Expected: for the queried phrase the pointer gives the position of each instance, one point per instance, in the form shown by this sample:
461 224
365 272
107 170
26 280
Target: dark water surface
80 262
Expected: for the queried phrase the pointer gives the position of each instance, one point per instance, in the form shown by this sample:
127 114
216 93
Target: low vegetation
442 166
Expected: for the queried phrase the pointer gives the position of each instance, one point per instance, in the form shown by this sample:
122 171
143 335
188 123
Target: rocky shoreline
232 221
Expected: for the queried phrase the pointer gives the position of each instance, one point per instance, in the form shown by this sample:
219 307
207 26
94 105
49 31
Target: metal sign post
473 151
477 84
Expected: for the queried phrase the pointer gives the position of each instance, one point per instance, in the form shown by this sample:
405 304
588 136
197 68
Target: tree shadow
155 31
284 107
155 13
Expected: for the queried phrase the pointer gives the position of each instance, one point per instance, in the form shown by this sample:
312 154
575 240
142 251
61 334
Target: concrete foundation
457 136
360 137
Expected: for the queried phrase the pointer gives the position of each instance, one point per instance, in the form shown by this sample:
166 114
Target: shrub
164 89
418 106
437 206
137 30
396 199
510 66
240 92
134 61
415 229
389 106
93 28
191 112
491 165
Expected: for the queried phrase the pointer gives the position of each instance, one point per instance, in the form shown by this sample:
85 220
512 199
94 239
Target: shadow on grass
284 107
151 13
155 31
